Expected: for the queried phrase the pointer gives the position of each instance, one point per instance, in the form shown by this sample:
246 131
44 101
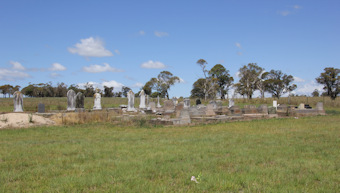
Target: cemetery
170 112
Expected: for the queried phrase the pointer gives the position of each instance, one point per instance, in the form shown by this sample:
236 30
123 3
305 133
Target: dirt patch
19 120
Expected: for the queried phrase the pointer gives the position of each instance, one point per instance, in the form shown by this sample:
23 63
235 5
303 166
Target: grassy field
276 155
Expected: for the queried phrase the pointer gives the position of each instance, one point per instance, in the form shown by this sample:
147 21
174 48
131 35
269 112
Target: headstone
169 106
231 103
301 106
71 100
152 106
131 101
263 109
275 104
198 101
235 110
185 116
158 104
142 99
179 108
213 103
18 101
186 103
210 110
174 100
97 102
80 99
147 100
41 108
319 106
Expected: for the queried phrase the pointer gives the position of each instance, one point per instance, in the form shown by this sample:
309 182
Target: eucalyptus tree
330 78
223 79
249 79
278 83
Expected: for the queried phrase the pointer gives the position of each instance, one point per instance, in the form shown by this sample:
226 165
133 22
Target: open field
275 155
56 103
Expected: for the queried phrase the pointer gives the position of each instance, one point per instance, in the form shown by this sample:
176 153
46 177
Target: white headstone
97 101
18 101
275 104
71 100
142 99
131 101
231 103
186 103
158 104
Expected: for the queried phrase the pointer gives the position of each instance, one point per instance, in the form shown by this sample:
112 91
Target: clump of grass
30 118
4 119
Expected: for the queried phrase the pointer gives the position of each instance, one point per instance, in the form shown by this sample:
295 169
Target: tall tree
198 88
330 78
125 90
315 93
249 79
209 82
223 79
164 81
108 91
278 83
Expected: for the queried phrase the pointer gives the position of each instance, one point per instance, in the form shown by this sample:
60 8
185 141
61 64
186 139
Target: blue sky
118 43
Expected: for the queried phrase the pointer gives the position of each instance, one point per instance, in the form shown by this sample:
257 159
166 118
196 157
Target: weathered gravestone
71 100
152 106
169 106
249 109
235 110
319 106
186 103
80 99
97 101
174 100
210 110
185 116
301 106
158 104
18 102
179 108
142 99
263 109
231 103
41 108
131 101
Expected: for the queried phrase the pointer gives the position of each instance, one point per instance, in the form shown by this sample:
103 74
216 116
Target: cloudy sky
125 43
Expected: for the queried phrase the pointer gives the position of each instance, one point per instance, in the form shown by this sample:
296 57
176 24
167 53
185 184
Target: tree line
215 82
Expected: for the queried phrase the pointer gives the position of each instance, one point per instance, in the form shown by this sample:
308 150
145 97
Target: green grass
276 155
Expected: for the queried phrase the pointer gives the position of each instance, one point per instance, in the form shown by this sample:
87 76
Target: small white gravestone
275 104
302 106
131 101
158 104
231 103
142 99
186 103
97 102
71 100
18 101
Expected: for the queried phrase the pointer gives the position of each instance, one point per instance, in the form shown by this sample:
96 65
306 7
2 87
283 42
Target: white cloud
57 67
297 79
54 75
284 13
152 64
117 52
307 88
17 65
137 85
90 47
161 34
239 53
95 68
297 7
141 32
12 75
112 83
238 45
